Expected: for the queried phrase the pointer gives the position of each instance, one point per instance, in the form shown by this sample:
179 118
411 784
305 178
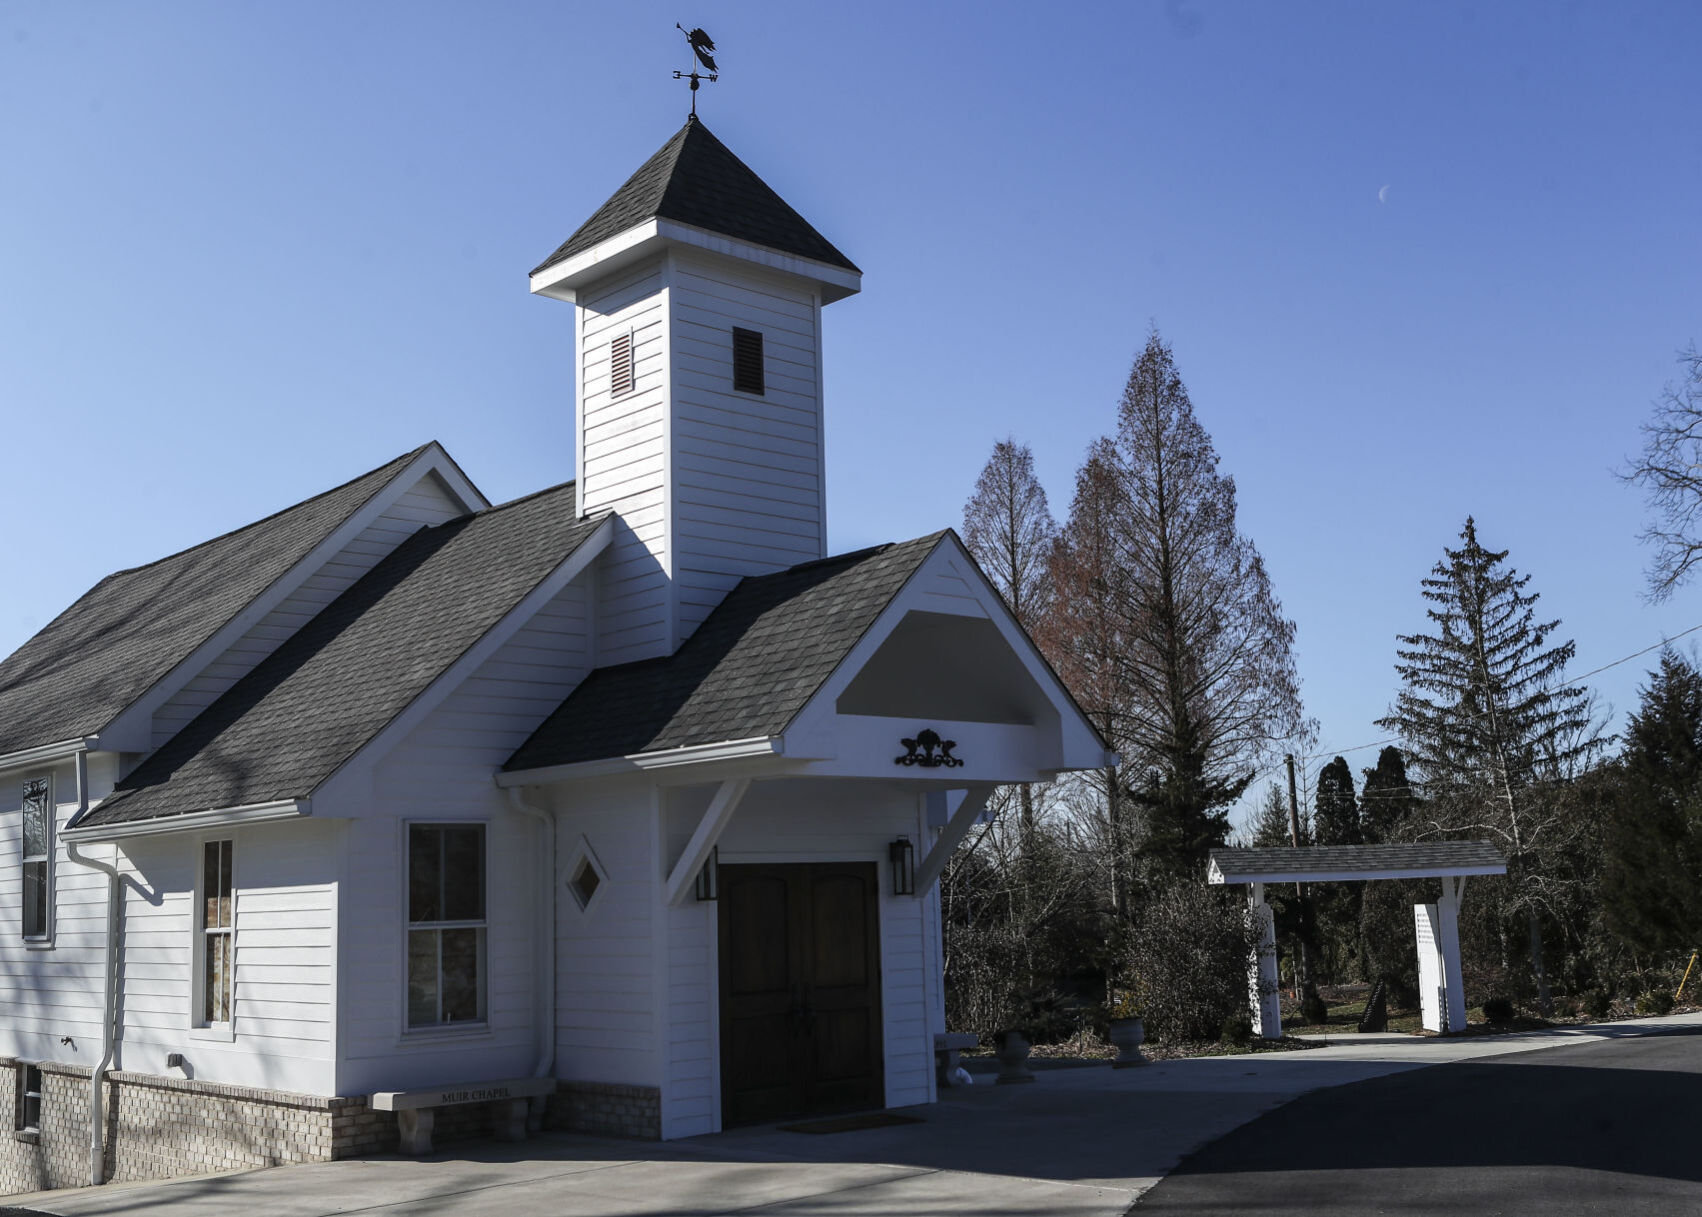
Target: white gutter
50 752
248 813
109 1007
696 754
546 932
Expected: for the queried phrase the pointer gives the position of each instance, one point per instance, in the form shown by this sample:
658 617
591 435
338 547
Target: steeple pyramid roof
694 179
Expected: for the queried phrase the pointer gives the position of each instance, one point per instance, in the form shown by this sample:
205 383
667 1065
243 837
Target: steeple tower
698 368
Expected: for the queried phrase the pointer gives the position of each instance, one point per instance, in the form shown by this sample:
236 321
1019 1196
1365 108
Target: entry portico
766 811
1437 925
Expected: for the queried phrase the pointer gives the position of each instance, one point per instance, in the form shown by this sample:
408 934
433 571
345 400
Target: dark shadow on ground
1609 1127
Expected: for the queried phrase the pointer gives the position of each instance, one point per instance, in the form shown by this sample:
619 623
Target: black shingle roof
695 180
747 671
339 680
1326 859
133 627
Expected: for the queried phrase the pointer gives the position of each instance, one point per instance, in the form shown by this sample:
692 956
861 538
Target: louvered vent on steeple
620 364
747 361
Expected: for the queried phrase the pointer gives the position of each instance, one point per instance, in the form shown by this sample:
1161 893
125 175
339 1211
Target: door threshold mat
867 1119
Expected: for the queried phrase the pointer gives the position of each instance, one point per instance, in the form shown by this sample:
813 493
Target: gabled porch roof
846 653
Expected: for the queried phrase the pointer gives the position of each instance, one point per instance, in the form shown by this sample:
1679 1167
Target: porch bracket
708 832
951 836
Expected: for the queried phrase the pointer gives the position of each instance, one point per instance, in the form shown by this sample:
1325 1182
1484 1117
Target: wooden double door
800 990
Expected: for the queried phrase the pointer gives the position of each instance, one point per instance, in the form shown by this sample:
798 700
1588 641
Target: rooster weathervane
703 50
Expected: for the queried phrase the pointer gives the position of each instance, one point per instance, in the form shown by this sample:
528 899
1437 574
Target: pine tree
1489 723
1652 881
1385 800
1335 812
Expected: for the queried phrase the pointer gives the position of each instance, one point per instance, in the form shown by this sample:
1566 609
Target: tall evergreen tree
1386 798
1488 722
1335 812
1652 885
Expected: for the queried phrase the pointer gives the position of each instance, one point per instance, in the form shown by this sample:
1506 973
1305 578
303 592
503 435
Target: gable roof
133 627
696 180
293 721
752 665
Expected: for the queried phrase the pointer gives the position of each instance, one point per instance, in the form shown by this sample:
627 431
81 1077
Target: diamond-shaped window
585 875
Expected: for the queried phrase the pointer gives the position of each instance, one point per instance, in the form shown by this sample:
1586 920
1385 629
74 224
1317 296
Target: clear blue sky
250 251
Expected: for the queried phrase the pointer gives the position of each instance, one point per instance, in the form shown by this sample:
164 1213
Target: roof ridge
535 494
312 498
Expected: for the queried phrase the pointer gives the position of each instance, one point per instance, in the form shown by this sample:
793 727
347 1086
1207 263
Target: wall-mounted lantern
903 855
708 886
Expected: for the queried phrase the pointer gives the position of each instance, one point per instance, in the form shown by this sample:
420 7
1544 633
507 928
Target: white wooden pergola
1438 925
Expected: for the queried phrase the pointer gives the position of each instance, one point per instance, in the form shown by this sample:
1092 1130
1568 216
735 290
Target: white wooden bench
947 1044
416 1109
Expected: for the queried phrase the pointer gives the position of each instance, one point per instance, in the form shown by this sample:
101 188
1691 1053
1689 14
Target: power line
1576 680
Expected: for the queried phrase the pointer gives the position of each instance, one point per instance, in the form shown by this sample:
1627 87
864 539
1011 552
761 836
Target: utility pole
1303 981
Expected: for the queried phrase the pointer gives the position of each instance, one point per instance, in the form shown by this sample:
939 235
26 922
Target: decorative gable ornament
929 751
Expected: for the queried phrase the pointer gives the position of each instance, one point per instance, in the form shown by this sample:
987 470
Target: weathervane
702 46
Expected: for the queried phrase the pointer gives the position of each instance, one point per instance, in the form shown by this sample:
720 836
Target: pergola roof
1325 863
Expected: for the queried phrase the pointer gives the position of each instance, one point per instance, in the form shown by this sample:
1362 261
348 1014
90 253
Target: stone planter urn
1127 1035
1011 1047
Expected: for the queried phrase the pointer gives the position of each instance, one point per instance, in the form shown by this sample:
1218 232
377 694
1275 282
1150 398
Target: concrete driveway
1084 1141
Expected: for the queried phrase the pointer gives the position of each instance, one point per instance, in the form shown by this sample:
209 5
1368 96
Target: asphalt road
1612 1127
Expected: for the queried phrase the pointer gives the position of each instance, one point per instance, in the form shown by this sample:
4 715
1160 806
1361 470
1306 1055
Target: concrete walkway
1082 1142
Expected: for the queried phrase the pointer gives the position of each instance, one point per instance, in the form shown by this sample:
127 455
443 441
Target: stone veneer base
607 1109
159 1127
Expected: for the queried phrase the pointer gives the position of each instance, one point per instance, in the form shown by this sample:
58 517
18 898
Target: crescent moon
1383 195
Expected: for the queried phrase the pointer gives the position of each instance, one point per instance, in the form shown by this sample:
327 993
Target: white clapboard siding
746 472
48 994
425 503
442 771
606 1016
623 460
802 821
285 883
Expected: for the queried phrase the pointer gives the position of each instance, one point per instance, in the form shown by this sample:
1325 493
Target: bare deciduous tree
1670 473
1207 667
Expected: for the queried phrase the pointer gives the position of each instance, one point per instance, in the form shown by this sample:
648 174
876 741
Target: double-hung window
217 925
37 856
446 924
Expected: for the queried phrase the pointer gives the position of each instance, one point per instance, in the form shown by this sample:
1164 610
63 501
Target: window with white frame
38 856
446 924
217 924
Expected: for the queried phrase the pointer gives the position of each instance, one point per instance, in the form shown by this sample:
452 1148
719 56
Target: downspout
109 1009
546 934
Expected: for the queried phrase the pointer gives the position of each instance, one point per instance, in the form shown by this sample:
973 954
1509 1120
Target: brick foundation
159 1127
607 1109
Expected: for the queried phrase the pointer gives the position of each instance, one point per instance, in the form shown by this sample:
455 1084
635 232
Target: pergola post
1262 968
1441 993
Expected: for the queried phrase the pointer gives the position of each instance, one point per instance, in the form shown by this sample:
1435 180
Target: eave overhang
563 280
45 754
755 748
220 817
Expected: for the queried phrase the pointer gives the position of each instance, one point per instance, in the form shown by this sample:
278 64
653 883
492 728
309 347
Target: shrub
1598 1003
1498 1010
1655 1001
1314 1010
1190 954
1237 1029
